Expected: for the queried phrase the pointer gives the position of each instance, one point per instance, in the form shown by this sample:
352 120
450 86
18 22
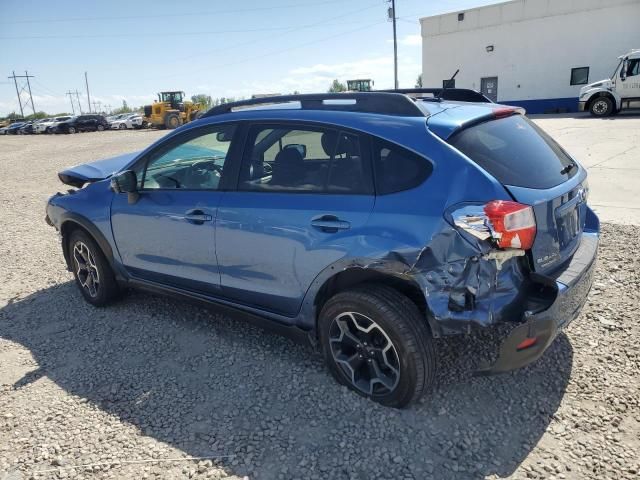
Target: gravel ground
139 389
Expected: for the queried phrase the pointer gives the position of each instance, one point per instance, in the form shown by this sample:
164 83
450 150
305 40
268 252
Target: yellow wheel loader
171 110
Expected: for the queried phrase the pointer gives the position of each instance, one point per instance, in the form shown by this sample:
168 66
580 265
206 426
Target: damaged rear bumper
573 283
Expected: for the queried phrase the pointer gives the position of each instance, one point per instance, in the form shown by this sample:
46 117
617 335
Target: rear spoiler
450 121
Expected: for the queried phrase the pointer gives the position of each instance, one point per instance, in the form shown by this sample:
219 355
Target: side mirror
124 182
623 70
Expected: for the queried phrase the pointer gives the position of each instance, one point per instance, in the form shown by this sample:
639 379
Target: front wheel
71 130
172 121
601 107
100 128
376 342
91 270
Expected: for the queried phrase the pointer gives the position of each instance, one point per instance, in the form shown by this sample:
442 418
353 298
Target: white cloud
318 77
411 40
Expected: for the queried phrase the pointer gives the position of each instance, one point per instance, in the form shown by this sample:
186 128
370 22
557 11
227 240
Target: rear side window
398 169
516 152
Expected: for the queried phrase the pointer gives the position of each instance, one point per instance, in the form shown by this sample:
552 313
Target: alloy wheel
86 269
365 353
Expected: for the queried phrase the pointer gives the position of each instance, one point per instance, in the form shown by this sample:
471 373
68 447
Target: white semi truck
620 92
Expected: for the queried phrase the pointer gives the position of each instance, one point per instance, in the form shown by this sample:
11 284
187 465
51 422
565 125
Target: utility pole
73 109
78 99
26 75
22 89
88 97
17 93
393 17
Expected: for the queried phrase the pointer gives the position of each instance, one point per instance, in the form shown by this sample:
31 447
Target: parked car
49 125
83 123
3 130
26 129
369 223
113 118
130 121
14 128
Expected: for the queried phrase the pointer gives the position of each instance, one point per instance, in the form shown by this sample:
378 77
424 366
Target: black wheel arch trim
310 310
91 229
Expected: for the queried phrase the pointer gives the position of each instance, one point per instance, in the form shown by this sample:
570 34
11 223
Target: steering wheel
200 172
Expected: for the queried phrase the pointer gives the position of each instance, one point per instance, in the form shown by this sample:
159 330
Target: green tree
124 109
419 81
205 100
37 115
337 86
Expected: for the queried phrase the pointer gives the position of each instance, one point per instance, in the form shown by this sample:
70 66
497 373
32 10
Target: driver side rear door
167 235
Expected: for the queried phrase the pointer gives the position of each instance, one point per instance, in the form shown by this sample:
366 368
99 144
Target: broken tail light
507 224
514 225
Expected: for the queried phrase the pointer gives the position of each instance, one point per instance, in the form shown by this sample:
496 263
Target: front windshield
613 75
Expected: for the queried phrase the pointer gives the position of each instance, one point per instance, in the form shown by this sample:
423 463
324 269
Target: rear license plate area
569 220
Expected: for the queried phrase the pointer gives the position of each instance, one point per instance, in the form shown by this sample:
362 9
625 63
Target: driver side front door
167 235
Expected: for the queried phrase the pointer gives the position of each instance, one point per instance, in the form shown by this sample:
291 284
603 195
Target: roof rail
455 94
386 103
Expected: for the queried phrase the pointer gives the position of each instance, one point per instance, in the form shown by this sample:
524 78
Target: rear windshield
516 152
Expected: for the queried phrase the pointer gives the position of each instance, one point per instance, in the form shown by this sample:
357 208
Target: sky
135 48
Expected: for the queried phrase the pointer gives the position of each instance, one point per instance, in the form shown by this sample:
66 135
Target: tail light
513 224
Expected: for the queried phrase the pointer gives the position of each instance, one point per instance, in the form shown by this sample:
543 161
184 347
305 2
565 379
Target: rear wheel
375 342
91 270
122 126
71 130
601 107
100 127
172 121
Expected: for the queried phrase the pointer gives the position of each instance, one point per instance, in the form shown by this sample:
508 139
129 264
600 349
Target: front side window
196 163
304 159
580 76
633 67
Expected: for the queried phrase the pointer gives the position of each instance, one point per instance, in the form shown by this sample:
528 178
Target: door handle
329 223
197 217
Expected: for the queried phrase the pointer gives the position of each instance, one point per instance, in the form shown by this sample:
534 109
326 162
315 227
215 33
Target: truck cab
620 92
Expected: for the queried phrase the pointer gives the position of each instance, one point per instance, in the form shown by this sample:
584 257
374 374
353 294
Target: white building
532 53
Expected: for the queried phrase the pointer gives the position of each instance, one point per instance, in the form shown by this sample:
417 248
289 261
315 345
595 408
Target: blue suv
369 223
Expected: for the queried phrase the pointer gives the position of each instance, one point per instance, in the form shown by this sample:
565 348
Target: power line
280 51
171 34
173 15
261 39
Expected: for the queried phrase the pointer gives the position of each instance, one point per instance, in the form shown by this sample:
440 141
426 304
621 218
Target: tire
408 365
122 126
100 128
195 115
71 130
601 107
97 283
172 121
